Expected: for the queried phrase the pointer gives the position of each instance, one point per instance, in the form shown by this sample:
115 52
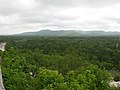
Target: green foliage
19 75
59 63
46 79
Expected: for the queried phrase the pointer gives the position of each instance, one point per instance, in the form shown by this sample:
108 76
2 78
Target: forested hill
69 33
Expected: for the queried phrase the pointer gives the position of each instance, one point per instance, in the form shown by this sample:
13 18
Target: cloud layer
18 16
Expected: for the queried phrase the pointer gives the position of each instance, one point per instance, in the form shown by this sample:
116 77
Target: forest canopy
60 63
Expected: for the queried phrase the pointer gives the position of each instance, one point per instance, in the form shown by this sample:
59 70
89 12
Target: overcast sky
17 16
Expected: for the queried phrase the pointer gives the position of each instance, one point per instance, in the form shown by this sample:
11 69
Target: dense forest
60 63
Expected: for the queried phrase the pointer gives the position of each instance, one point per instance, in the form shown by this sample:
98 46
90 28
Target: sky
17 16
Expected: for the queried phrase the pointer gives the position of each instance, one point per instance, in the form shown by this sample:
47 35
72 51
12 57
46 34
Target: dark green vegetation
60 63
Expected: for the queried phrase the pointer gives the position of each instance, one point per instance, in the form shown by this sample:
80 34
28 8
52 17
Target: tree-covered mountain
69 33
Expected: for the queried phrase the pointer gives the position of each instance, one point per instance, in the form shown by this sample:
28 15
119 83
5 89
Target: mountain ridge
48 32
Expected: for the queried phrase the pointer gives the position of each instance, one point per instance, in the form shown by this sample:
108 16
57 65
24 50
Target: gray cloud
114 19
74 3
28 15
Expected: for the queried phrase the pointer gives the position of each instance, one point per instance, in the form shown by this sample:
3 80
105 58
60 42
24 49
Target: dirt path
1 81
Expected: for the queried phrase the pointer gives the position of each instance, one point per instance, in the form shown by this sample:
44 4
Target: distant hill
69 33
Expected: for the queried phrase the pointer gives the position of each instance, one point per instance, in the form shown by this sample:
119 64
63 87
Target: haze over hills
69 33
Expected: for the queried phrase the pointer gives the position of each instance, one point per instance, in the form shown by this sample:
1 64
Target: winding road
1 81
2 48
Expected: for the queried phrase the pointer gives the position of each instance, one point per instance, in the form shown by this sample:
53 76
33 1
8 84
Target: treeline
60 63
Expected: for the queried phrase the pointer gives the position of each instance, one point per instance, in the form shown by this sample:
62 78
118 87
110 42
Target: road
1 81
